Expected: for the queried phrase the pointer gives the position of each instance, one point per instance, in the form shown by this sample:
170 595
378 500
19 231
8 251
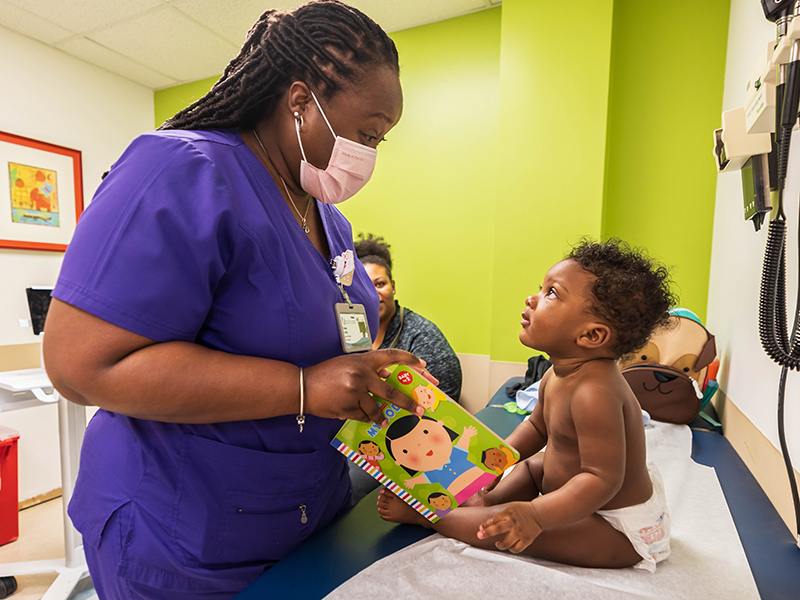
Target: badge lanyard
351 318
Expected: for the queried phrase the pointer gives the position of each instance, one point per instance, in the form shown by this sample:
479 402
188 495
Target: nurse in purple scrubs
200 305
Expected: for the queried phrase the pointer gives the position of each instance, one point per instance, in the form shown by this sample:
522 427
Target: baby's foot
391 508
481 498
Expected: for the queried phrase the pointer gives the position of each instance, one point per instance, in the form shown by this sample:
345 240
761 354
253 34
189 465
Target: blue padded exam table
361 537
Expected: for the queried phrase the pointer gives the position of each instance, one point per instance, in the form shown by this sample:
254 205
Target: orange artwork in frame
41 193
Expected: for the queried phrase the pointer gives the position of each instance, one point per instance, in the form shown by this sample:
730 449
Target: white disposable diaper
645 525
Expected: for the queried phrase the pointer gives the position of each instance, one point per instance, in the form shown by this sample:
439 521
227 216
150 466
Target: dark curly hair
325 44
372 250
631 291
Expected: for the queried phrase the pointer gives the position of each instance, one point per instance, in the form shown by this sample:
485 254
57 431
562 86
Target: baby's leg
524 482
591 542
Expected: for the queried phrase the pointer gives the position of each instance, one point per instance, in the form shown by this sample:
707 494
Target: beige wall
53 97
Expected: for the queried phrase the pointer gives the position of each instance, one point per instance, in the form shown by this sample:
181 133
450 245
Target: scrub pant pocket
104 562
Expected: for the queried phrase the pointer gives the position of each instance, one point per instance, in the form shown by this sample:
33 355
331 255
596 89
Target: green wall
433 192
667 76
169 101
524 130
553 95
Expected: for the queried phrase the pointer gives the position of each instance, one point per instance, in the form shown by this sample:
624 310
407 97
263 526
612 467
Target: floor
40 537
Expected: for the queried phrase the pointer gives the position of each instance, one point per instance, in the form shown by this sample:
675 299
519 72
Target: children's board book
434 462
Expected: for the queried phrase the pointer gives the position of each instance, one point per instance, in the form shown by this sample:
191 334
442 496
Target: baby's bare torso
612 447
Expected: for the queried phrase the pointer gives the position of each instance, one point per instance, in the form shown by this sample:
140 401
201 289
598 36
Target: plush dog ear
707 355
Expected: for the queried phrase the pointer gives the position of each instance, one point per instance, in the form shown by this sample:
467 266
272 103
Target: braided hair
324 43
372 250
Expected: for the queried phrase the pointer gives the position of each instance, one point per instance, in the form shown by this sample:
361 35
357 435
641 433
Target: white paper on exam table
707 559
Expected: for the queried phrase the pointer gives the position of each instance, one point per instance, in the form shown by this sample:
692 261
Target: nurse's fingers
371 409
392 356
379 388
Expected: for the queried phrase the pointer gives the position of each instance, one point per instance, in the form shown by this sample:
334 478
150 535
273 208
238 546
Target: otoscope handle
791 94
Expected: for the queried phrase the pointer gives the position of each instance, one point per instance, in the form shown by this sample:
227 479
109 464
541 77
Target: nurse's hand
340 388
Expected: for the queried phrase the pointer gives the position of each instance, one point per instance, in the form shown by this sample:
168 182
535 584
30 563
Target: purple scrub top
189 239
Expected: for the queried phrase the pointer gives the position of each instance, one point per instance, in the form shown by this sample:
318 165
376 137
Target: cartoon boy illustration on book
424 448
428 397
371 452
496 459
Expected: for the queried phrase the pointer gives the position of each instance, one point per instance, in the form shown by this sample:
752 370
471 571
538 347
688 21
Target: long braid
324 43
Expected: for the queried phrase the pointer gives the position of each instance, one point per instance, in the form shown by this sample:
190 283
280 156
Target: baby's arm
530 436
600 434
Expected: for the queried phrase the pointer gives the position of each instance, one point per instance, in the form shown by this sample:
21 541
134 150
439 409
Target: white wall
51 96
748 377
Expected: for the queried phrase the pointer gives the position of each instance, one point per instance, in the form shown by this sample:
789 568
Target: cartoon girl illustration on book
371 452
428 397
424 448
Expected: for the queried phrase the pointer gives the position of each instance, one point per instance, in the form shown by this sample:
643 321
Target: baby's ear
595 336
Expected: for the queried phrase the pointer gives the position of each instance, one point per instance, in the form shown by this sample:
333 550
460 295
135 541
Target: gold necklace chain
286 187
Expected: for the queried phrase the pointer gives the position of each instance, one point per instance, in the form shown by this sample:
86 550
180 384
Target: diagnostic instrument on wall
756 139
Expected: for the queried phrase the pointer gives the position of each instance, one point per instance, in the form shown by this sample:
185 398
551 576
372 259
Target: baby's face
440 502
369 448
424 448
496 459
553 318
425 396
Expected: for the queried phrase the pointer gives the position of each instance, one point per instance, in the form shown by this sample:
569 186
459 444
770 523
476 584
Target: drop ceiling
161 43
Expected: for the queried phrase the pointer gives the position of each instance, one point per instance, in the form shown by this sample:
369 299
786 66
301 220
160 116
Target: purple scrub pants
104 560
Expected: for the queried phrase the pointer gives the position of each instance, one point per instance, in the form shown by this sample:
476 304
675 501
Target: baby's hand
520 524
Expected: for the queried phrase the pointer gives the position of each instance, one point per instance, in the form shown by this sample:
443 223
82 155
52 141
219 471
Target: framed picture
41 194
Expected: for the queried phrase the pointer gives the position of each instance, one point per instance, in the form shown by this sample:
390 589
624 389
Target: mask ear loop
297 128
322 112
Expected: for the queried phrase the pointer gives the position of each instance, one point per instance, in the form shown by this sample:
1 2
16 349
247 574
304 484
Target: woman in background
402 328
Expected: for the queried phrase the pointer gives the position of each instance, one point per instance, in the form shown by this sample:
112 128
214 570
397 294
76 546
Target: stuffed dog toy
674 375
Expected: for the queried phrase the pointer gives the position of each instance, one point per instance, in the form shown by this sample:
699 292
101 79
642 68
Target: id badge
353 327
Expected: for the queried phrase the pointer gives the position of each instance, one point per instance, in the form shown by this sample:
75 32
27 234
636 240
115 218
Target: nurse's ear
298 98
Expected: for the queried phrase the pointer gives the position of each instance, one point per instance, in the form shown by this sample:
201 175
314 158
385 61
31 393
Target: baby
591 498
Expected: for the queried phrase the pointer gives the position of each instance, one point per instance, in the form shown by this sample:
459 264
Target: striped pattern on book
387 483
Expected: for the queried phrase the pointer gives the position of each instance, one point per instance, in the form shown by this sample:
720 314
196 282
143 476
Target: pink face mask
349 168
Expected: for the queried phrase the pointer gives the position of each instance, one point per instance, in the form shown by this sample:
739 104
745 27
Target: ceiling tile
168 42
98 55
162 42
231 24
393 16
20 20
84 15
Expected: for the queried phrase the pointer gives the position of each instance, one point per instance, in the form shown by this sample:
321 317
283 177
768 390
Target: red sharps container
9 496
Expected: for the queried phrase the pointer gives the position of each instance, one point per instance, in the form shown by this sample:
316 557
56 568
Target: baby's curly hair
631 293
374 250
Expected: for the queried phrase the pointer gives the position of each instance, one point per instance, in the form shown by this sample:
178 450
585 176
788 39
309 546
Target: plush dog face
686 347
668 375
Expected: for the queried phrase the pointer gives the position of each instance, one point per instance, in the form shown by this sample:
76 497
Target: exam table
361 537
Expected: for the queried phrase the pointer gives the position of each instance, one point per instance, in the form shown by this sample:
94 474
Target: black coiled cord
772 326
772 304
